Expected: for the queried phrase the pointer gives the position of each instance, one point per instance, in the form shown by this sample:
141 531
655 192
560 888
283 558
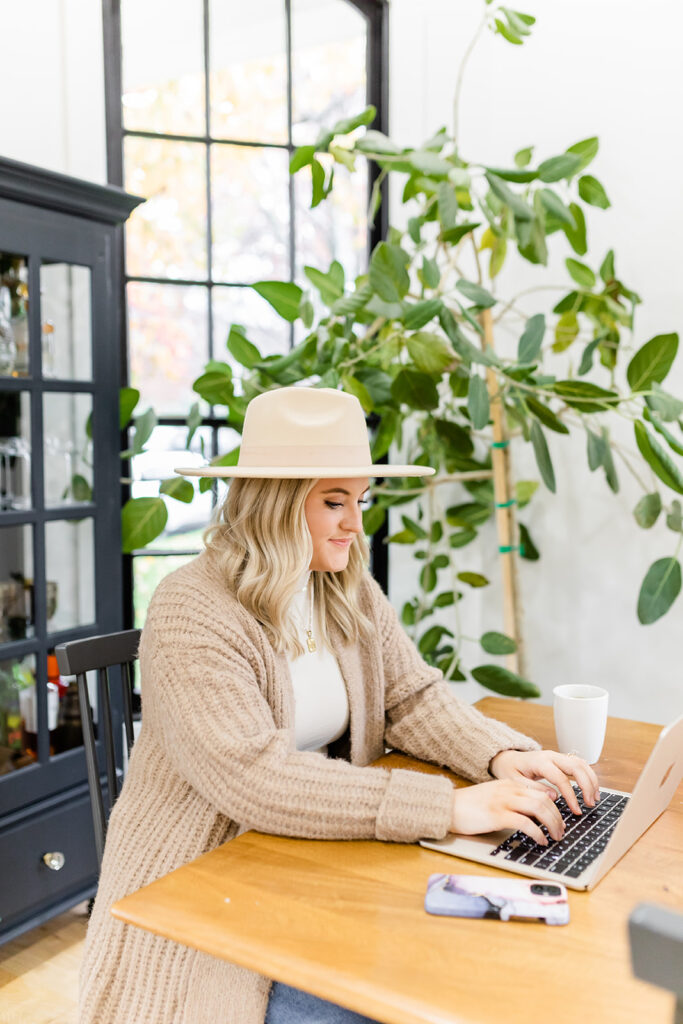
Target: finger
544 810
556 775
584 775
529 827
524 780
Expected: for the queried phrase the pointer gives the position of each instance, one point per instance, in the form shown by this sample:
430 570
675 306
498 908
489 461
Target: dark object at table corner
656 941
100 653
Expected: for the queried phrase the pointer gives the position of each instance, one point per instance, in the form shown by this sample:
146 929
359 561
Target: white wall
52 85
592 67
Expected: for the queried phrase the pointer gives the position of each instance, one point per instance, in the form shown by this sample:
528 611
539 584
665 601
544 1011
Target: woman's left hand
552 766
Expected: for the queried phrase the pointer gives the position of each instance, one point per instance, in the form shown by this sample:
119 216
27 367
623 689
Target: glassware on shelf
15 473
8 348
48 349
17 677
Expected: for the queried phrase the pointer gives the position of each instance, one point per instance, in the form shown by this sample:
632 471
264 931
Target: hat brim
309 472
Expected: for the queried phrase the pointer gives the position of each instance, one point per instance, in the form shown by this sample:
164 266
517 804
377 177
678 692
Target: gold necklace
310 639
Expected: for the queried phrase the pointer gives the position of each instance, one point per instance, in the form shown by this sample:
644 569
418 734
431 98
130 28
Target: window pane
15 450
250 204
14 348
166 236
16 583
148 572
265 329
169 345
67 449
329 44
66 321
70 570
165 451
18 714
248 79
163 66
336 229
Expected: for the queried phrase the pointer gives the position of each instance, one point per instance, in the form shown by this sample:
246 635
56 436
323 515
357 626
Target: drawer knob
55 860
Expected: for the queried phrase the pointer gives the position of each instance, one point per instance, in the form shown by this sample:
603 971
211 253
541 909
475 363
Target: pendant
310 641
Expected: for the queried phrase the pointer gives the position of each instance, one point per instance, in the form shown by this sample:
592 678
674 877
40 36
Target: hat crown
304 416
305 427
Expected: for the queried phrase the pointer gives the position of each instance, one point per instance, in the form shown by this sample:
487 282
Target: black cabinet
60 561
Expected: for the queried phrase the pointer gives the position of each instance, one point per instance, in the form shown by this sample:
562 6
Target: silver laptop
593 841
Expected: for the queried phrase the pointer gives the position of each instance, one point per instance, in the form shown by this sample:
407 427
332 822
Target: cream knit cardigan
216 754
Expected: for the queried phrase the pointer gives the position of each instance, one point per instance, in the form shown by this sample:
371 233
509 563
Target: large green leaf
430 163
531 340
584 396
373 518
586 150
583 275
377 142
478 402
301 157
349 124
659 590
330 285
576 235
660 427
566 331
241 348
546 415
415 389
652 362
647 510
523 156
665 405
658 458
500 680
431 275
498 643
353 303
430 640
556 207
144 425
447 205
214 387
376 382
558 167
179 488
543 460
469 514
128 399
454 235
353 386
515 202
421 313
386 432
455 436
388 275
142 519
478 295
527 548
430 352
473 579
592 192
283 296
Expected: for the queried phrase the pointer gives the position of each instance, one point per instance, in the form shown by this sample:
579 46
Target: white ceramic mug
580 719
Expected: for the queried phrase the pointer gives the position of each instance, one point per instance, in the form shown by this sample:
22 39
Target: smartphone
502 899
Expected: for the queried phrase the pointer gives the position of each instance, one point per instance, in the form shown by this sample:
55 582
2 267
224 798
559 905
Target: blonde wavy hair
262 545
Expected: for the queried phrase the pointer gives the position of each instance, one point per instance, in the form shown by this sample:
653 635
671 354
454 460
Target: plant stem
459 80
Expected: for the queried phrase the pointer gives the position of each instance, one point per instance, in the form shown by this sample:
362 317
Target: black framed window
204 108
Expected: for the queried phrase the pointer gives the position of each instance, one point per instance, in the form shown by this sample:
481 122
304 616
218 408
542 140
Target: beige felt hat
303 432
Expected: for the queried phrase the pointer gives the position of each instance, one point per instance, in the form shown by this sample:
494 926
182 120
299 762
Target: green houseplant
416 339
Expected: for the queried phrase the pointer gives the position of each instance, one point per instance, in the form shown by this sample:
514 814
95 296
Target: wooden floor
39 972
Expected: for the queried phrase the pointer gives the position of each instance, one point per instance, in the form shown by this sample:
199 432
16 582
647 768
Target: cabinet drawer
26 882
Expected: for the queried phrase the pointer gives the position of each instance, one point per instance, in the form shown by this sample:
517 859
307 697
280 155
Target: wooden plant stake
506 520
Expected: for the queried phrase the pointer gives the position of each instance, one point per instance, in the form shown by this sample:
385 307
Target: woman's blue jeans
291 1006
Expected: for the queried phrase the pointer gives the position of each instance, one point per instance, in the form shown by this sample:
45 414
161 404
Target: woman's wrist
496 762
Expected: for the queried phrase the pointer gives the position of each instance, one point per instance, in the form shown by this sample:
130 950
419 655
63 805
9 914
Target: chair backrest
100 653
656 938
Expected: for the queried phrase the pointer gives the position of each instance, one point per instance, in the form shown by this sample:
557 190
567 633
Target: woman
274 671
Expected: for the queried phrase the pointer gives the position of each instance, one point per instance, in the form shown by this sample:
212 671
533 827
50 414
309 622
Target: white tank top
320 699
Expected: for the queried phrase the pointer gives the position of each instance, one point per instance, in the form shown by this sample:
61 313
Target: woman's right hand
491 806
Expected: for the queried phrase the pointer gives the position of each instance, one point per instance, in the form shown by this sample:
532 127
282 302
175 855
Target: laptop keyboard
586 836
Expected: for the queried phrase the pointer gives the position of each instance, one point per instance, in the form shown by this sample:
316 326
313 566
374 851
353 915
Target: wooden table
345 920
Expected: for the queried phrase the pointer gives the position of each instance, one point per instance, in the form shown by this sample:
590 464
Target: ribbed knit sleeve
202 699
423 717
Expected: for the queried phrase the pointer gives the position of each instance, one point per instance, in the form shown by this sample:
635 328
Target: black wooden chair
100 653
